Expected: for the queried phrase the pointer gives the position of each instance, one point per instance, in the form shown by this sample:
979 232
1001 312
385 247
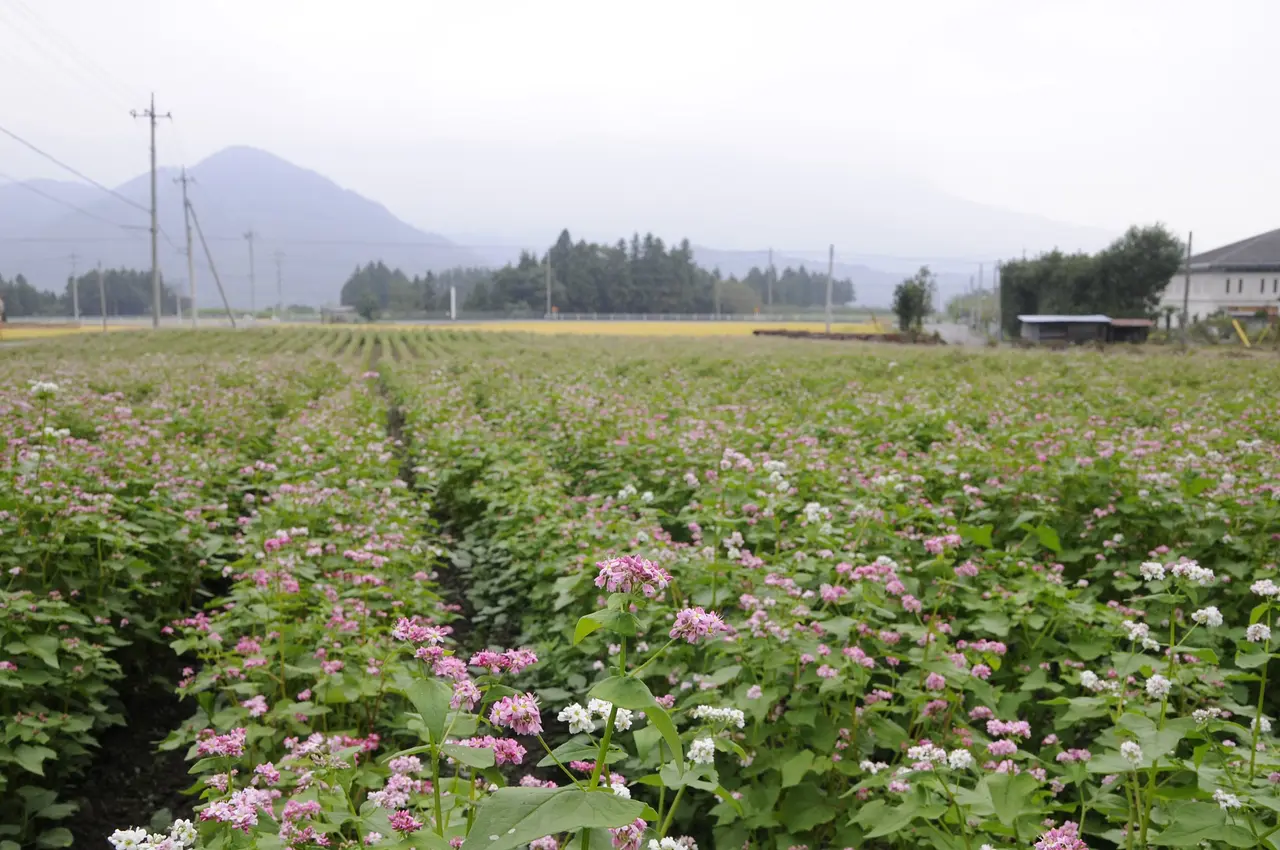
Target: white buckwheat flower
702 751
578 718
622 720
1089 681
1136 631
1225 800
872 767
183 832
126 839
1204 715
960 759
1158 687
1151 571
1258 633
1132 753
1210 617
1265 587
1193 572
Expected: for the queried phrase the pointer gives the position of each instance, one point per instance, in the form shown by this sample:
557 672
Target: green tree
913 299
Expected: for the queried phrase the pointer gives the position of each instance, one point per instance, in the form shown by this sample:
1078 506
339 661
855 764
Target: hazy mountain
33 203
872 287
321 231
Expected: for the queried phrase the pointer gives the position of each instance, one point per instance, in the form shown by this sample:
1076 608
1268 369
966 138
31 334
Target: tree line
1125 280
127 291
642 275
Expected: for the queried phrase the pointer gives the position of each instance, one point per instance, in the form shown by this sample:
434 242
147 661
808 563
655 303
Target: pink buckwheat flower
519 713
934 682
1065 837
693 624
465 695
404 822
631 572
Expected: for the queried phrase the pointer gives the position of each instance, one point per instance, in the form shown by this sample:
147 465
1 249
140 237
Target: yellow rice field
639 328
21 333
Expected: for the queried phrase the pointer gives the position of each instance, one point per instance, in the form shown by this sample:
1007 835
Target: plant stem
671 814
435 788
1257 720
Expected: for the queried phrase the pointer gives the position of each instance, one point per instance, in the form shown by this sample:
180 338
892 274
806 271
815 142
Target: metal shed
1129 330
1068 329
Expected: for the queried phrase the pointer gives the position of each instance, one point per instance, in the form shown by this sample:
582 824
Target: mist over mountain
320 231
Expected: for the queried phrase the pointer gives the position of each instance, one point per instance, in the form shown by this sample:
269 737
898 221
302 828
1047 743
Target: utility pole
75 289
213 268
831 270
150 114
253 289
982 296
548 286
191 255
102 297
716 291
769 281
279 258
995 288
1186 293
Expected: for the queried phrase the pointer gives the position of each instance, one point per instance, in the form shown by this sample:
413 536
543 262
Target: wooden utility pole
150 114
191 254
253 281
1186 294
279 258
769 281
102 297
75 289
200 232
548 274
831 270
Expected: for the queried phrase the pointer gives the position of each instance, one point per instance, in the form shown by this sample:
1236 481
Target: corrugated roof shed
1063 320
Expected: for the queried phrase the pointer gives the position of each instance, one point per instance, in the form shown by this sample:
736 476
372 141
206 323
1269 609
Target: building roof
1064 320
1131 323
1256 252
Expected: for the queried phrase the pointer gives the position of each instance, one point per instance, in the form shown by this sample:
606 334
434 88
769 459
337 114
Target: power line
100 75
62 164
68 205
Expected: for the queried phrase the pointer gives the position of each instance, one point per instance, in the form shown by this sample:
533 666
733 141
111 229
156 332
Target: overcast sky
722 119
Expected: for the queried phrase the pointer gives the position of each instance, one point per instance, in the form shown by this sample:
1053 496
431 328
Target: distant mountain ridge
321 231
314 233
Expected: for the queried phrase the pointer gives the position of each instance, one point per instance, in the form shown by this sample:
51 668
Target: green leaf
515 816
1193 822
633 694
1049 539
1251 659
45 647
700 776
621 622
56 837
804 808
980 534
431 698
480 757
1010 794
794 768
32 757
577 751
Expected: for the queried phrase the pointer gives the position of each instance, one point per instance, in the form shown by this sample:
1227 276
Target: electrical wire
62 164
55 43
68 204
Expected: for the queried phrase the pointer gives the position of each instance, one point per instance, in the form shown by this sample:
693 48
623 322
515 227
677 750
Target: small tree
913 299
367 306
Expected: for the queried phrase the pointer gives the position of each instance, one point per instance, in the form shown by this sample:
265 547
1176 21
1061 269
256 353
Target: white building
1243 277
